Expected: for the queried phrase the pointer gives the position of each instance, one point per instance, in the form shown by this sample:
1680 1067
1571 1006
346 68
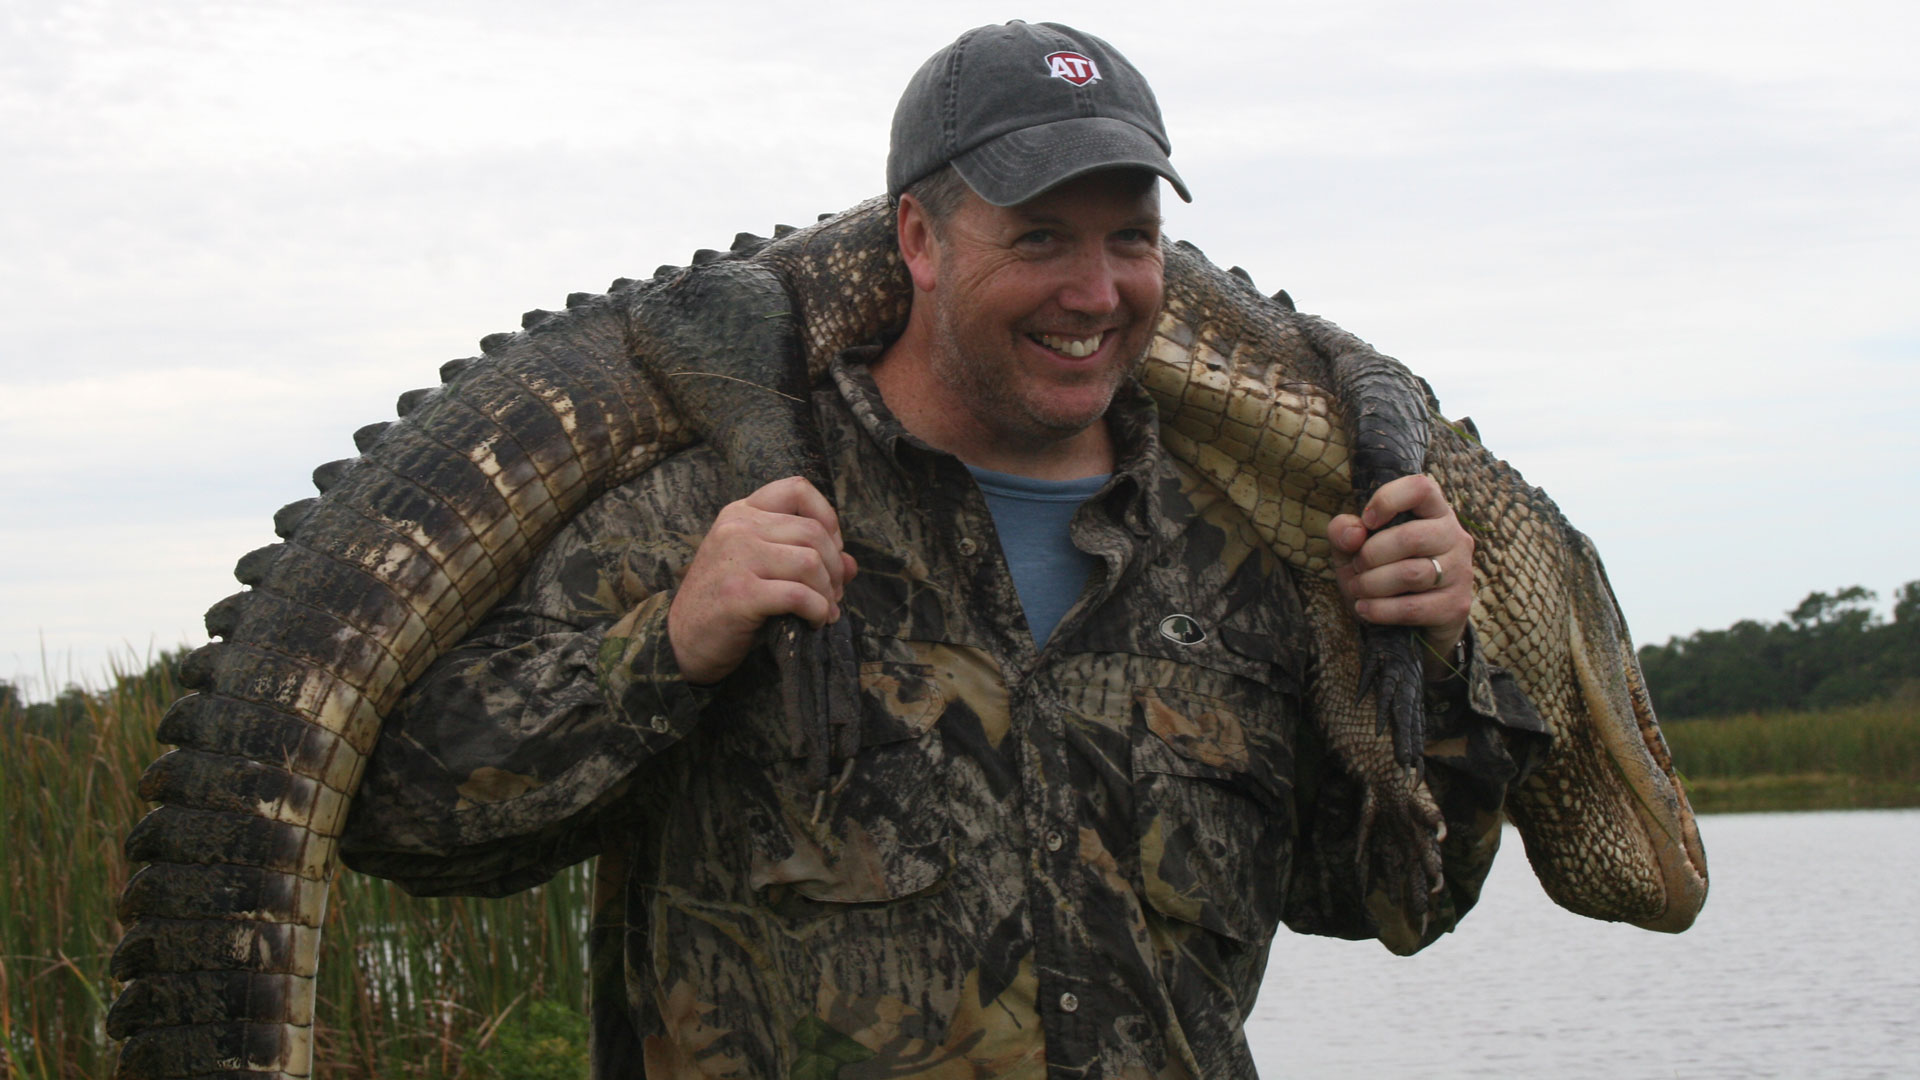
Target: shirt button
1069 1003
661 724
967 546
1054 840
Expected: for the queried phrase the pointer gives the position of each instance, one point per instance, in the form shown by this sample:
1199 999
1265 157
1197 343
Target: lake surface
1804 963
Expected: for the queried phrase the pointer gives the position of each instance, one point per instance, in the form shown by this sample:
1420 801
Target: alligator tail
404 550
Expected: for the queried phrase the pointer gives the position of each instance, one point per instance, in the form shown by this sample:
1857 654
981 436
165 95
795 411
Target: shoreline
1797 792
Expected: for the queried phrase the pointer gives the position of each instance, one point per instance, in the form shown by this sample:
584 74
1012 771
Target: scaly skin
412 542
1606 825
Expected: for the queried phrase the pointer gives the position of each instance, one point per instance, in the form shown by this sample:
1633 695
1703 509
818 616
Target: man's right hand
775 552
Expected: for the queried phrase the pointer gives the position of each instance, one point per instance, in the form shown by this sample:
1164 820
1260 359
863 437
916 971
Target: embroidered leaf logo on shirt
1182 630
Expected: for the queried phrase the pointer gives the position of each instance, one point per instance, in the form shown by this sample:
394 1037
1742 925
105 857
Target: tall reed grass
1860 755
1876 741
409 988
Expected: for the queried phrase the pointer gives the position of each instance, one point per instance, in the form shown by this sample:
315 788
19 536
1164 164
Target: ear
915 232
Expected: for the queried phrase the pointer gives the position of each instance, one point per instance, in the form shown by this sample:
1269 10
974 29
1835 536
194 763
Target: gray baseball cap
1021 108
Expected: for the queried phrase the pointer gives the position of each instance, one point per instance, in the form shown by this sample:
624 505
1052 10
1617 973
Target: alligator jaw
1605 820
1622 714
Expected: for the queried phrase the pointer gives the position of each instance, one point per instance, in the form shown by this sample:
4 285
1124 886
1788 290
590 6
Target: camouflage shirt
1057 862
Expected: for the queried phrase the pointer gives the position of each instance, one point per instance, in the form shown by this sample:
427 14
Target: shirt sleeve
504 759
1357 878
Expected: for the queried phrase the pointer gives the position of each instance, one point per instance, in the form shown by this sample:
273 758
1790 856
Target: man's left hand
1419 573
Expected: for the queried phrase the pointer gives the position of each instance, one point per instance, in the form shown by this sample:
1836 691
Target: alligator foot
1391 667
820 692
1401 834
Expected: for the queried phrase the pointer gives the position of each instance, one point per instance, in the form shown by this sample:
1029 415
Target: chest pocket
1212 768
880 830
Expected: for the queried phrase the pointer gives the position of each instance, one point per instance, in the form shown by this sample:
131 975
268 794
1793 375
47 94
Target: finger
1418 539
1347 534
796 496
801 532
800 589
801 565
787 597
1436 609
770 581
779 568
1407 576
1415 494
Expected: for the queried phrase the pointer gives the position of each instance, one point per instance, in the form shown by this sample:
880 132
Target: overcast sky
1665 254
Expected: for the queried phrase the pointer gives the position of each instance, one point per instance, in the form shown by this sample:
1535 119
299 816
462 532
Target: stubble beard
993 399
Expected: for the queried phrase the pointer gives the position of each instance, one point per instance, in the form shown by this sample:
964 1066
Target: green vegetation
1830 651
1818 711
547 1041
417 989
1859 756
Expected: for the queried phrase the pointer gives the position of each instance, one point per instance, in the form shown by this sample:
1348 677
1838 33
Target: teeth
1074 347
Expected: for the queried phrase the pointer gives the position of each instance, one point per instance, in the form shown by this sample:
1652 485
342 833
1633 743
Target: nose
1091 286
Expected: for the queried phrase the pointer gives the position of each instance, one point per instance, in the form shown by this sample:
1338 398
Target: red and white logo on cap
1071 66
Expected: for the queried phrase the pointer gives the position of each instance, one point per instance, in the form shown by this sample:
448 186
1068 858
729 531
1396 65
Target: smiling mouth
1069 346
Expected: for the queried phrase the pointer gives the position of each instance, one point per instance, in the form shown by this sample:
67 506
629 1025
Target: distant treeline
69 717
1831 650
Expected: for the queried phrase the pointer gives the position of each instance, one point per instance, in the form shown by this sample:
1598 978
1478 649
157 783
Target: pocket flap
880 831
1212 818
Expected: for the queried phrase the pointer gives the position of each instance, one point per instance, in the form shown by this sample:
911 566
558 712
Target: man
1086 790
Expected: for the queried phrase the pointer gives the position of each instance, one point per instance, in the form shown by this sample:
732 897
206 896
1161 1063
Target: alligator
412 541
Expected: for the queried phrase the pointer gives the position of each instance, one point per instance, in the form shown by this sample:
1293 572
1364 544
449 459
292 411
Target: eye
1035 238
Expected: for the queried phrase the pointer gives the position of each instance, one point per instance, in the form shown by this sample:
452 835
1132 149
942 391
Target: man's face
1041 309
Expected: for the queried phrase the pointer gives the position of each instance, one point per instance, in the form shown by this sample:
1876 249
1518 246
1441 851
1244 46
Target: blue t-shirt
1031 517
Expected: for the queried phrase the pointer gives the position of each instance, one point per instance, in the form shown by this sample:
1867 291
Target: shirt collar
1143 494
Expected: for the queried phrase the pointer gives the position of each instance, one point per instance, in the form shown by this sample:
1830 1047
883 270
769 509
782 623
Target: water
1804 963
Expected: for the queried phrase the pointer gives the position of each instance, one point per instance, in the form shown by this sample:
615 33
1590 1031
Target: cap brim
1022 164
